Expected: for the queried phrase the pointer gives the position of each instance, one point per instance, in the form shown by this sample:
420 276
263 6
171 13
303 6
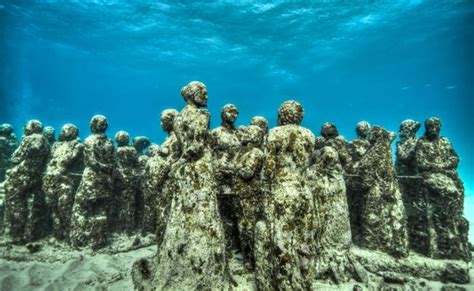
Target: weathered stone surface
62 178
225 145
356 149
192 253
261 122
89 223
123 215
8 144
248 187
141 144
50 134
25 215
383 224
158 186
330 137
290 206
325 180
405 165
441 197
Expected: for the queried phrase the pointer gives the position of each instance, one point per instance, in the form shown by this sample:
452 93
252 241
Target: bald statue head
290 112
195 93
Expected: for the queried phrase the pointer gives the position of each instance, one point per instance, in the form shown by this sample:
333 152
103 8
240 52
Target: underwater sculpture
356 149
405 165
225 144
383 224
89 222
192 252
333 239
248 187
123 216
289 207
50 134
158 186
330 137
441 197
8 144
25 215
141 144
261 122
62 177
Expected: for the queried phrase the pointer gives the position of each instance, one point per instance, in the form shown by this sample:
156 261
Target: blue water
64 61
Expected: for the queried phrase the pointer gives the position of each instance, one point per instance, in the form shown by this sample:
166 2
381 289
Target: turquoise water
64 61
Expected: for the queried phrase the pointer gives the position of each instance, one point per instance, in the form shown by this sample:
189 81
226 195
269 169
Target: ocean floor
50 265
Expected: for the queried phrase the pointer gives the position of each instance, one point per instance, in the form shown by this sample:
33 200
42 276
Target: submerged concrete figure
62 177
89 222
158 186
192 253
124 213
25 215
249 189
405 165
330 137
333 238
50 134
383 224
261 122
289 206
8 144
356 149
141 144
441 197
225 145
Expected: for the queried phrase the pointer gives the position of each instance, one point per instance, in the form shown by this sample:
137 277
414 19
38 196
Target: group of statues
290 202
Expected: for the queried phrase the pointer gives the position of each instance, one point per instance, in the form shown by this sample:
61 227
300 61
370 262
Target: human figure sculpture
124 214
89 222
141 144
383 224
8 144
50 134
192 253
330 137
405 165
356 149
289 206
249 164
158 186
333 238
261 122
225 145
62 177
441 197
25 216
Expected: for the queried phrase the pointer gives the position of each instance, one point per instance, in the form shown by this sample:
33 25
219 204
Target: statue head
363 130
167 119
408 128
432 128
122 138
32 127
68 132
141 143
261 122
195 93
98 124
229 114
252 135
49 133
6 129
329 130
328 157
290 112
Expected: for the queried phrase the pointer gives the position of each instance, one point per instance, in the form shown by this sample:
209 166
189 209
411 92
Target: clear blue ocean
345 61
